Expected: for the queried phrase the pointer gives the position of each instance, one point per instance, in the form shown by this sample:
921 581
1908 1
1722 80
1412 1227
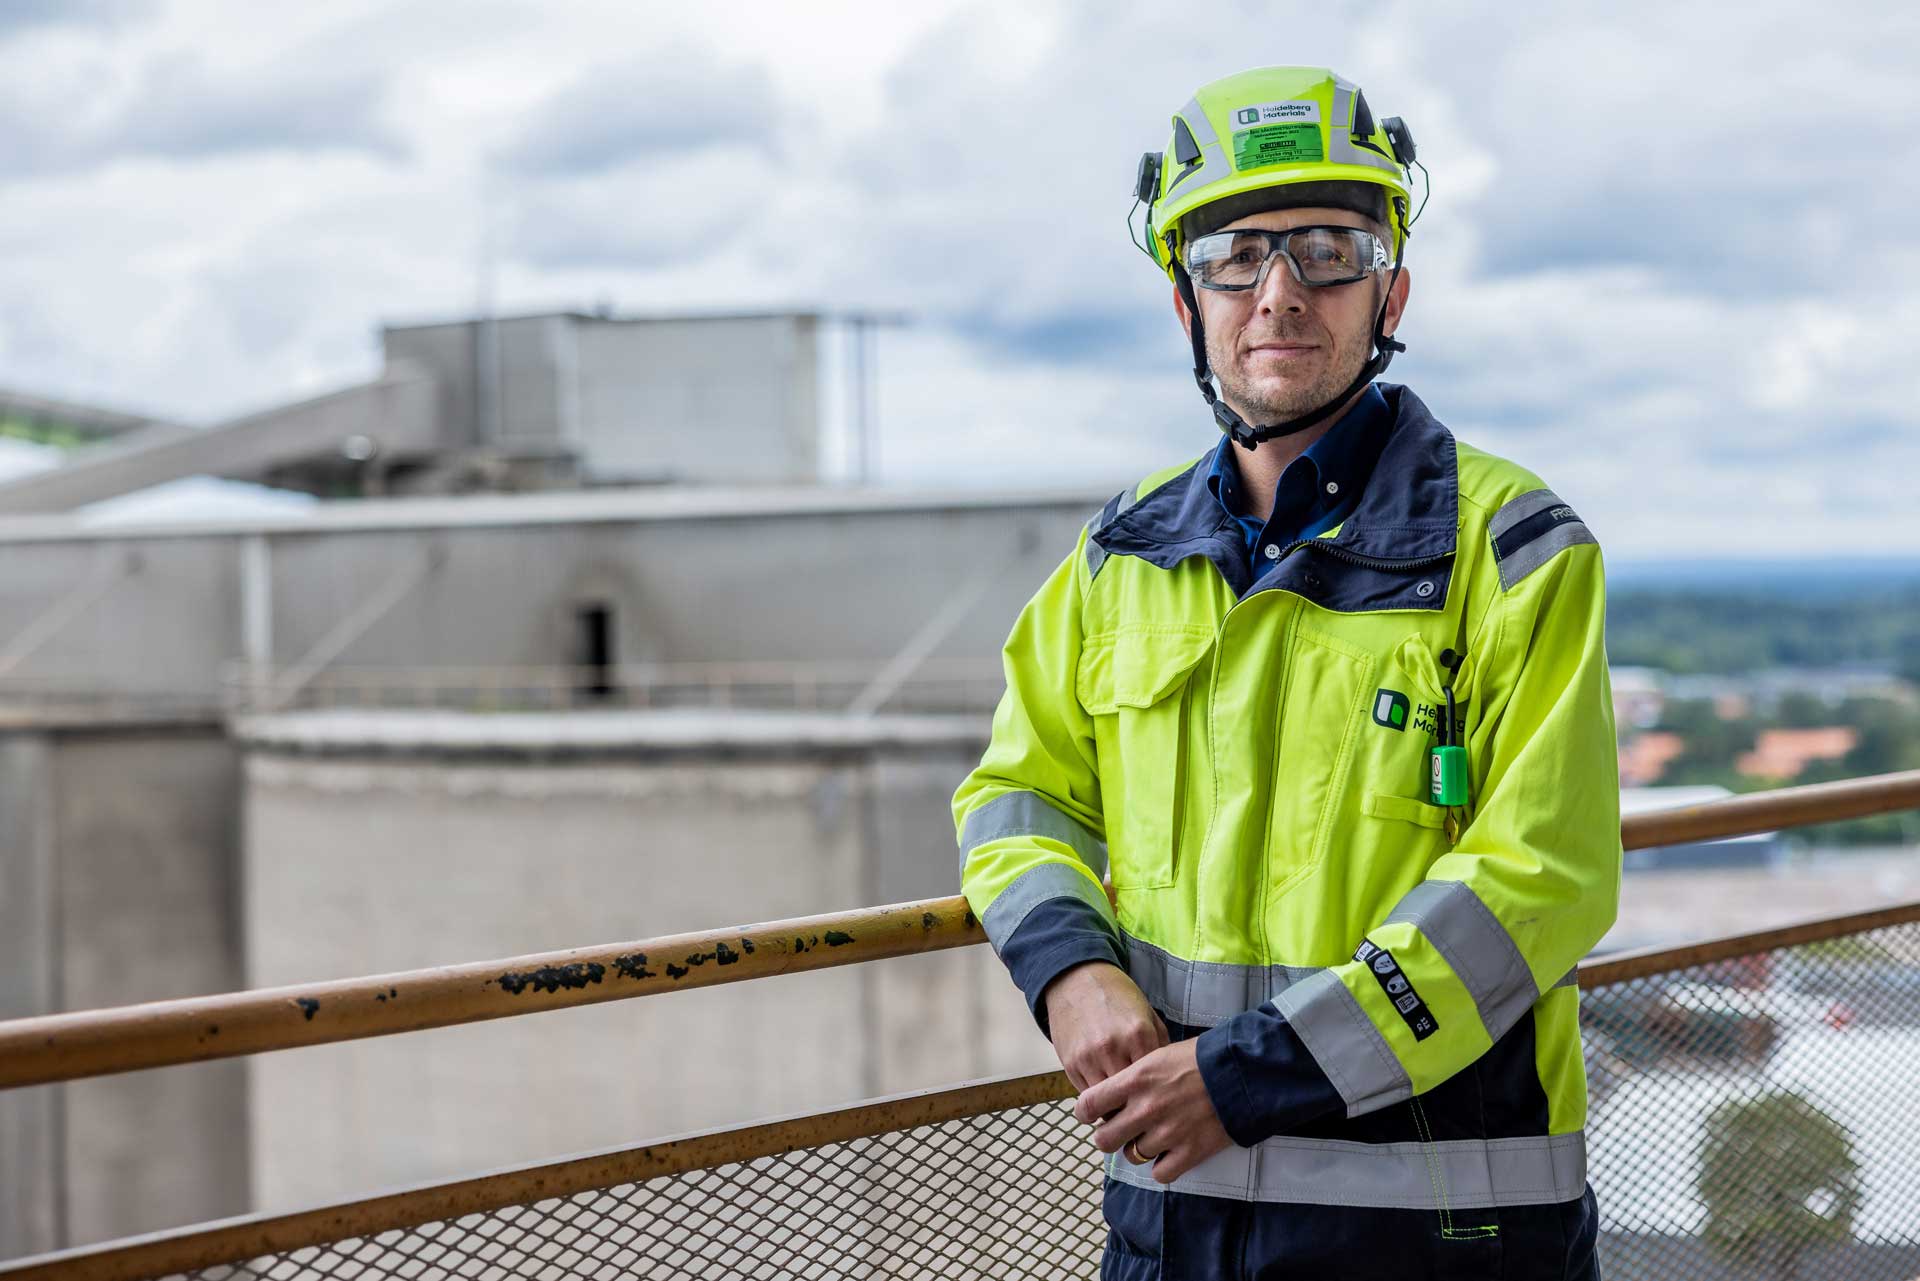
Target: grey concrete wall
32 1195
781 583
148 890
360 863
451 353
118 859
713 400
720 401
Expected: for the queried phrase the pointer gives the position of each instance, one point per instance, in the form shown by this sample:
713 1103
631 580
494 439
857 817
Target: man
1328 707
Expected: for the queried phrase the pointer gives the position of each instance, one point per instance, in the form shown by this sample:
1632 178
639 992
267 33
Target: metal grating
1012 1194
1753 1118
1760 1117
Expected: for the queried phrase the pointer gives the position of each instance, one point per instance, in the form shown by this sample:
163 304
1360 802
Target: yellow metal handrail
65 1047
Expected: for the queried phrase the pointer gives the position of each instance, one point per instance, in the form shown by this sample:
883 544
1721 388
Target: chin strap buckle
1239 429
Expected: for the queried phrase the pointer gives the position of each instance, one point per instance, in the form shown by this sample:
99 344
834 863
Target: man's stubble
1280 401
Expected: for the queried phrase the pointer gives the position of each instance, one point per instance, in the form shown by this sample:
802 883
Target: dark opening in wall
594 650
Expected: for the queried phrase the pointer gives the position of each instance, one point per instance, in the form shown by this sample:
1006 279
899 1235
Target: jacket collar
1409 511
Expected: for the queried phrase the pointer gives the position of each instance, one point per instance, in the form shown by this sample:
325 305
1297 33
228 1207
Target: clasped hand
1143 1094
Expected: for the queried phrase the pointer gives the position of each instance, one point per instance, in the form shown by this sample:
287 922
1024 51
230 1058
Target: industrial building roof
569 507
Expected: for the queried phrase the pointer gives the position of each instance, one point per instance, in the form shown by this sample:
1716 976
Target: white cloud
1660 274
677 100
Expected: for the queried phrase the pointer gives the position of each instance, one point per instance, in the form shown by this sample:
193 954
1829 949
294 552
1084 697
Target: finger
1115 1060
1160 1029
1075 1077
1115 1131
1098 1099
1173 1163
1142 1043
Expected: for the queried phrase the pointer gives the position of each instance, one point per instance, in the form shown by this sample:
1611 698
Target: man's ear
1180 310
1397 302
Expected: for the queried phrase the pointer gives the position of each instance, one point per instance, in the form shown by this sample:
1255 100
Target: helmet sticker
1291 142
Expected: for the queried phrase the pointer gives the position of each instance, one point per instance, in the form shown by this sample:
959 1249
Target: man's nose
1280 291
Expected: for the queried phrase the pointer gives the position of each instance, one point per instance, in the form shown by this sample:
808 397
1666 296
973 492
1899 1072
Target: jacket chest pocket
1323 707
1136 684
1356 733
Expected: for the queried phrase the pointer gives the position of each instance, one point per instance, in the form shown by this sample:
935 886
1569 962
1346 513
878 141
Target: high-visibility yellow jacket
1381 987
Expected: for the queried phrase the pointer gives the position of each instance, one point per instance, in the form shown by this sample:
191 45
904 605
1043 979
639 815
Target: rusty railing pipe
64 1047
189 1249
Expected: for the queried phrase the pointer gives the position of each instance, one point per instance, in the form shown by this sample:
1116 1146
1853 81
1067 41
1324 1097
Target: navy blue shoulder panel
1178 520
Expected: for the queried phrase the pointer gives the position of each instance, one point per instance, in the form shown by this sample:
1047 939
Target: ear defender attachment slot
1185 150
1362 118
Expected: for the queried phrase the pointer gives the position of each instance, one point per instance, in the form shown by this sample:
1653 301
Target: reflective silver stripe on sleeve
1518 509
1520 561
1108 513
1474 1173
1204 993
1029 814
1470 938
1096 554
1033 887
1570 979
1543 549
1345 1043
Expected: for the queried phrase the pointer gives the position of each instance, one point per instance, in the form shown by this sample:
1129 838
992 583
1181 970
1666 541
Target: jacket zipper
1352 557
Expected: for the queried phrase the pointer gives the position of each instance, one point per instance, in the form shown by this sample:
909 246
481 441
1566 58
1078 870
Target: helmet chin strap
1245 433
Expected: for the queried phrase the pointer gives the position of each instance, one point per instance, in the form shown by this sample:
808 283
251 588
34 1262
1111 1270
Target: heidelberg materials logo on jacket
1396 711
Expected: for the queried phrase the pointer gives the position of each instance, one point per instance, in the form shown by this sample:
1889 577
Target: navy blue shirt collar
1408 511
1316 491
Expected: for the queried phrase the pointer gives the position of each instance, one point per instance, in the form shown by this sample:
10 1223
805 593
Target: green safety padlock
1448 784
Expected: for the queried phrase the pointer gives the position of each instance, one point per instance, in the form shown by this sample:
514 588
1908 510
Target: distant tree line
1734 633
1691 631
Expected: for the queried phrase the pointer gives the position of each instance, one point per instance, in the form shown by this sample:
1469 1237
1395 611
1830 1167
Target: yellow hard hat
1270 138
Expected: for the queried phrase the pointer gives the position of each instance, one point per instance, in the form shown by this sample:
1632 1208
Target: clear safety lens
1316 255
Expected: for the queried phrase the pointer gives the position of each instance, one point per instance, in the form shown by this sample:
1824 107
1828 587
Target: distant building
1760 692
504 405
1644 757
1639 696
1785 753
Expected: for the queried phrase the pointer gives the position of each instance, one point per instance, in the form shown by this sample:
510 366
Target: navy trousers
1174 1236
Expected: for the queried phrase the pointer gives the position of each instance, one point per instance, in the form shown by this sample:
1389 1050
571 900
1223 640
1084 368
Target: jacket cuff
1056 935
1261 1077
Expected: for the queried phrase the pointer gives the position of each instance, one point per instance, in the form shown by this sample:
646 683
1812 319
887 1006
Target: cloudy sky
1666 262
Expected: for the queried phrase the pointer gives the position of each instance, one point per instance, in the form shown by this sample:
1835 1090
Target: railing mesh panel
1753 1118
1760 1117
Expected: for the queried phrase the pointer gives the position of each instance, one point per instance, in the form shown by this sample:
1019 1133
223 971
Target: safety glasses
1317 256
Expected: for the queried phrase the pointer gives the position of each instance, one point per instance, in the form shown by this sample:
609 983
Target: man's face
1284 348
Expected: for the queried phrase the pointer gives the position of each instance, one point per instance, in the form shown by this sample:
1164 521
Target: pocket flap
1420 663
1407 809
1137 666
